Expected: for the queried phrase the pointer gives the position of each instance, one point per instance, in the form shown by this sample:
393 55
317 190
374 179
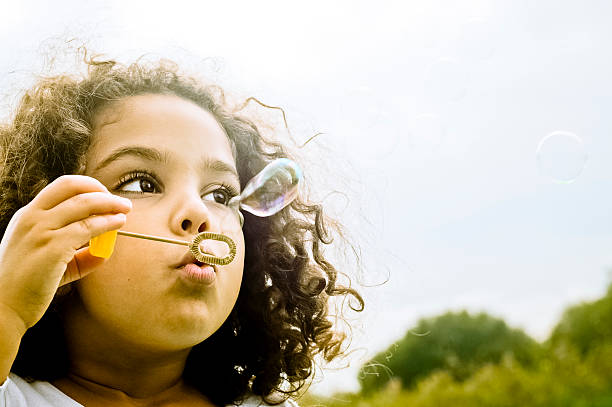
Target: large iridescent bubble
273 188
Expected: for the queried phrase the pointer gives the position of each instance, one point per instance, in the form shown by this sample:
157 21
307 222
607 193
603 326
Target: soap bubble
447 80
561 156
476 40
275 187
368 127
425 133
380 137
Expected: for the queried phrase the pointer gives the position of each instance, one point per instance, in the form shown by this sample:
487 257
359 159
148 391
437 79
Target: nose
191 216
186 225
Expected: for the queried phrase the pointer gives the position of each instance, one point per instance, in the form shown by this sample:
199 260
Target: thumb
81 265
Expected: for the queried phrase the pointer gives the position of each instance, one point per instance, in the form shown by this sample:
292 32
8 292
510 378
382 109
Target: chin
191 332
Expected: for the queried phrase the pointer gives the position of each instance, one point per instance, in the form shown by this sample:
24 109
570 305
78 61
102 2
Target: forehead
164 122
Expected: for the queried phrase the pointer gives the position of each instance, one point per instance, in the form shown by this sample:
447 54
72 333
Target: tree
585 326
458 343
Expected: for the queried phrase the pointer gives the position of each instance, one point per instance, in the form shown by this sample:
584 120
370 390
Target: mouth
189 260
204 265
195 271
201 275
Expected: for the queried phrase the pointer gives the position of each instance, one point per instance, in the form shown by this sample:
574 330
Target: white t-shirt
16 392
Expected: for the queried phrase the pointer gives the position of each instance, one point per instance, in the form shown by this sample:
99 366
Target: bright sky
470 137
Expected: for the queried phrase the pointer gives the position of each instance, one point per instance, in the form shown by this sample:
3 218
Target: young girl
146 150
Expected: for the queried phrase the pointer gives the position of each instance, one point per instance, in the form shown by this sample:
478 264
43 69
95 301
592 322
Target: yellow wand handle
103 245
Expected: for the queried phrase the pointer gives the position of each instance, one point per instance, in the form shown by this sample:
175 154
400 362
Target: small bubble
476 41
425 133
561 156
447 80
379 129
367 128
371 137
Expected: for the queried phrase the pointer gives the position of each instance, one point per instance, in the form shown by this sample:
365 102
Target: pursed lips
189 258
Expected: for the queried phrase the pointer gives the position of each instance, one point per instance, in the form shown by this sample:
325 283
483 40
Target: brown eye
219 196
222 195
138 183
146 185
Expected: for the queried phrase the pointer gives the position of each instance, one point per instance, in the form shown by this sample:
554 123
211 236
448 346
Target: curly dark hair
280 322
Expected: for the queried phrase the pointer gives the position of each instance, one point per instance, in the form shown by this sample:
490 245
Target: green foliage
585 326
557 380
574 369
457 343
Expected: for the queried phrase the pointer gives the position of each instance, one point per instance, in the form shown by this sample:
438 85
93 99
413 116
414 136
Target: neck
107 364
146 379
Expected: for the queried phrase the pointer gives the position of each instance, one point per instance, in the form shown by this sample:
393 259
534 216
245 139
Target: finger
84 205
78 233
65 187
81 265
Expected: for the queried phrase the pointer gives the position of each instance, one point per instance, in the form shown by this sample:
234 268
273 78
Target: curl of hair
280 321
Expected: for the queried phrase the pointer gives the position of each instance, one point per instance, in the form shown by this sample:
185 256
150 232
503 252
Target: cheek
123 276
112 284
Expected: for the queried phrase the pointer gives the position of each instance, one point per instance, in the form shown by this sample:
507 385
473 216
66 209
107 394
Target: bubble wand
273 188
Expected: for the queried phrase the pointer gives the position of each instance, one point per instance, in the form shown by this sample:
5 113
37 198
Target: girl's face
174 161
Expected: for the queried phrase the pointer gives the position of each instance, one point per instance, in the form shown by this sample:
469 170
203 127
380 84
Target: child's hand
43 245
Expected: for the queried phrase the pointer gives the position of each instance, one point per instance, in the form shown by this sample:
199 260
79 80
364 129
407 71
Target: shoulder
256 401
16 392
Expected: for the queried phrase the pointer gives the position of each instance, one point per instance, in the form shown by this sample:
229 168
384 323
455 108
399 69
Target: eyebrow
151 154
